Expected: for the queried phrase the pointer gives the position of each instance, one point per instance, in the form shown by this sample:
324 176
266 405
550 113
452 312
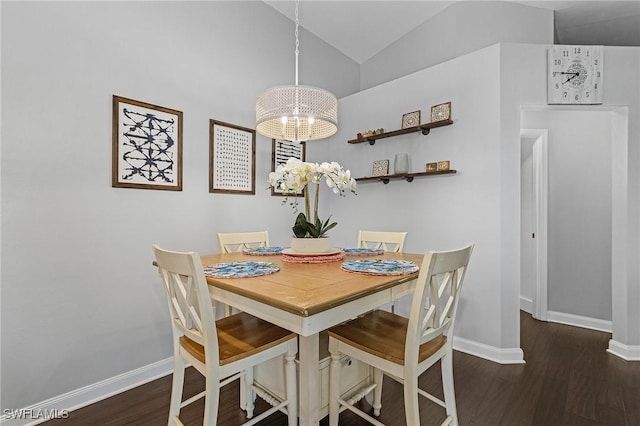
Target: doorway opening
583 154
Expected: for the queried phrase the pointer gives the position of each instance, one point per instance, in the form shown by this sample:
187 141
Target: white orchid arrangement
295 175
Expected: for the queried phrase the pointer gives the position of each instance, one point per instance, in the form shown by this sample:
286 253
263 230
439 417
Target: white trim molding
491 353
626 352
61 405
526 304
580 321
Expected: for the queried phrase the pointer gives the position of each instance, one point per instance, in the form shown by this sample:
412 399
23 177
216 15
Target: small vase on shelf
401 164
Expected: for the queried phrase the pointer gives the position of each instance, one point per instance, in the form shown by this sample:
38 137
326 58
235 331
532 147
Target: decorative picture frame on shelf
146 146
380 168
410 119
281 151
232 165
441 112
432 167
443 165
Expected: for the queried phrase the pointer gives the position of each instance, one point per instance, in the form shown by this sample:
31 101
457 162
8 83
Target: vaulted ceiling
361 29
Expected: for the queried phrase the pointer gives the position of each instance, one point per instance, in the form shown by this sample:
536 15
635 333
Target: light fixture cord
297 41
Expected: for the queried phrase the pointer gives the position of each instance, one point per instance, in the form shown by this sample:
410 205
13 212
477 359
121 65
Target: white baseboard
526 305
628 353
59 405
580 321
491 353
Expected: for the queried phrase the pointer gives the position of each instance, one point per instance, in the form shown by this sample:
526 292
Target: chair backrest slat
230 242
435 299
188 299
387 241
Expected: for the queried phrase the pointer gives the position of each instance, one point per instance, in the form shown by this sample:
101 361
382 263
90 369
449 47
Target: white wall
481 203
462 28
80 299
438 212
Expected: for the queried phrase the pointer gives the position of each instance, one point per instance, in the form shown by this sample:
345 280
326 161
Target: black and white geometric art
147 146
231 158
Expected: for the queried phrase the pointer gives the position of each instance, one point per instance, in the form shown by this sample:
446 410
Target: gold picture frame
443 166
410 119
432 167
441 112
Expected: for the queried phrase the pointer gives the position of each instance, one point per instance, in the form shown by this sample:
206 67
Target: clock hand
559 72
575 74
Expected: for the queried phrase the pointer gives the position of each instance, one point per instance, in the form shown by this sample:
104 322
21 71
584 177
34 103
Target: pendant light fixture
296 113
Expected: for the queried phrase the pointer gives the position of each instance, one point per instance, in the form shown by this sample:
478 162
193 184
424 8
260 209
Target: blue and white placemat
363 251
262 251
380 267
240 269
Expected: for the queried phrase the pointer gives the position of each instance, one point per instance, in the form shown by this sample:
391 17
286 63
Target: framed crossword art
281 151
147 146
232 152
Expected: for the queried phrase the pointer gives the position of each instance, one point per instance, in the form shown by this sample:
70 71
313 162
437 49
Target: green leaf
305 229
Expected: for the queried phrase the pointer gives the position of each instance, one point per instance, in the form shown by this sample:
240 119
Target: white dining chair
230 242
385 240
388 241
224 350
234 242
403 348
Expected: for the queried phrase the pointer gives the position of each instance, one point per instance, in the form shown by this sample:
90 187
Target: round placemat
380 267
363 251
240 269
262 251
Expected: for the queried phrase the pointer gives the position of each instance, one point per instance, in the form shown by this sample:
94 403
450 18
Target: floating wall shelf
406 176
424 128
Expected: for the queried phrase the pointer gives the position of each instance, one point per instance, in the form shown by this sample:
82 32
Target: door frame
541 196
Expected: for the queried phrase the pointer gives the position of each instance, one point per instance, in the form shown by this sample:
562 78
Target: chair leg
446 363
411 399
334 389
291 384
377 392
211 400
243 394
248 391
176 388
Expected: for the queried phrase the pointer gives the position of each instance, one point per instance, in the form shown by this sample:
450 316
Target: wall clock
574 74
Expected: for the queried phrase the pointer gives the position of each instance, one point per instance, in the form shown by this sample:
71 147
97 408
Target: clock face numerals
574 75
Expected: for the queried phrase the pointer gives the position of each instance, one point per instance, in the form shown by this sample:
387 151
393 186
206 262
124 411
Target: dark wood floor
569 379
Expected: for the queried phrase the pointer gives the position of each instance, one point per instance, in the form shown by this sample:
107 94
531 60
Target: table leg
309 379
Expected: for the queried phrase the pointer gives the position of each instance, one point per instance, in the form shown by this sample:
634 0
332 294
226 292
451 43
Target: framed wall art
443 165
281 151
146 146
410 119
232 152
441 112
380 168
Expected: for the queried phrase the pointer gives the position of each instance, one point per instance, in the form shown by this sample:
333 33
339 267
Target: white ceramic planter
311 245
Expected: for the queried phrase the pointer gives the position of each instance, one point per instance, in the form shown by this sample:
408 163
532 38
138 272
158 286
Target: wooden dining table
308 298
